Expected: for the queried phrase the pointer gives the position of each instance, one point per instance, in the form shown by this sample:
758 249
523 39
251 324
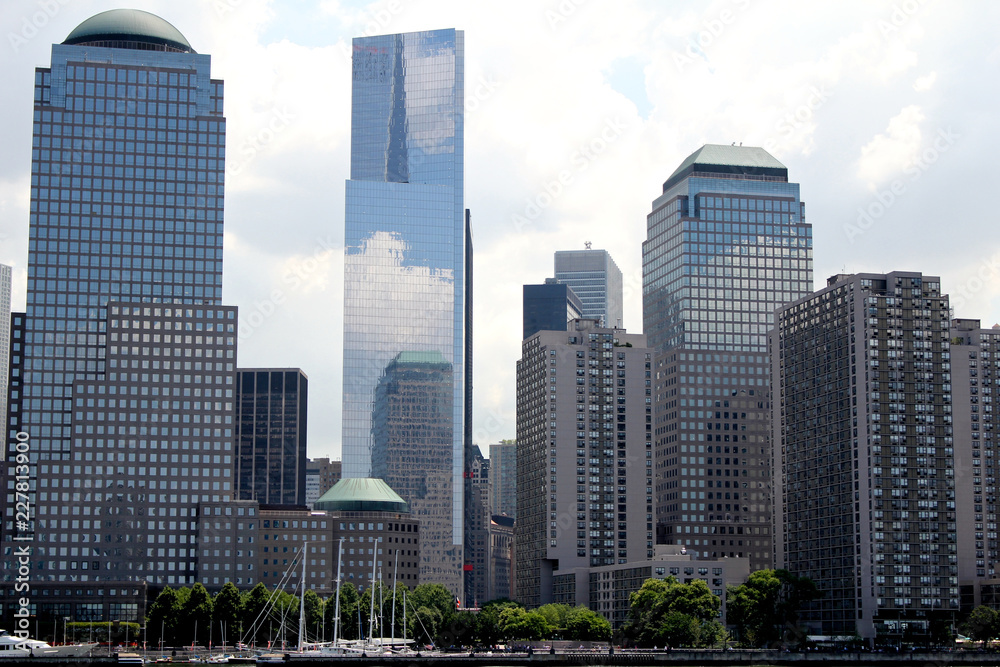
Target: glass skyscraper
406 243
596 280
726 245
128 355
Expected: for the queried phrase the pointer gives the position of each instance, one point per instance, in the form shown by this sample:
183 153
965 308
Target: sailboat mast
395 568
302 600
371 616
336 620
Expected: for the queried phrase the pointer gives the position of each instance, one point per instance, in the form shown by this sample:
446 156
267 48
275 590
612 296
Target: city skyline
553 180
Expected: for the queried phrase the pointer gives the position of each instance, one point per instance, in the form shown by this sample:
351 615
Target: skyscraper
406 238
726 244
548 307
596 280
128 356
271 411
864 453
584 454
503 478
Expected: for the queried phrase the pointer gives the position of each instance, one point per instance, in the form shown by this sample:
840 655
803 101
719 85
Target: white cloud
925 82
891 151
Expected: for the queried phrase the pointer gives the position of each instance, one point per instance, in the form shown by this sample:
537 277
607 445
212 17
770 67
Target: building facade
405 247
584 454
597 282
128 354
477 530
864 453
726 244
501 578
548 307
321 475
975 370
503 478
271 413
606 590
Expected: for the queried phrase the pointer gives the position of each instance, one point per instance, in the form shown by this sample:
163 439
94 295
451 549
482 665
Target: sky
576 112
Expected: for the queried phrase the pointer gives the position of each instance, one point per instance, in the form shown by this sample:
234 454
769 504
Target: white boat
24 647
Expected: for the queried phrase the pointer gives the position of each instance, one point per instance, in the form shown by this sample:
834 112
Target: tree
488 620
314 613
765 609
555 616
665 611
349 599
434 597
255 604
162 618
983 624
516 623
227 610
582 624
196 615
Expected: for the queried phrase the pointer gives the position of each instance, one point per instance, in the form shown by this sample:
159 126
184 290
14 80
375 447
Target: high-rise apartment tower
864 453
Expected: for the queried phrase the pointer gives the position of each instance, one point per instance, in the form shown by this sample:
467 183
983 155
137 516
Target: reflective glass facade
597 282
128 356
727 244
405 245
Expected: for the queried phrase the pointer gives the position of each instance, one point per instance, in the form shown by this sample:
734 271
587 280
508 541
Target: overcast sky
576 112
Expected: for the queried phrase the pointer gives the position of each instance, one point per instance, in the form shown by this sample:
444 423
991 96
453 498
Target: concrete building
548 307
321 475
584 454
726 244
406 258
503 478
975 371
596 280
864 453
271 415
606 590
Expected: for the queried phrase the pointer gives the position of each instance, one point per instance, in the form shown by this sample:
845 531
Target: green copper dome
361 494
129 29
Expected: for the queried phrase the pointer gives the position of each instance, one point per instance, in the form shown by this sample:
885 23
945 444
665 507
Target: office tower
477 529
503 478
412 438
128 356
864 462
596 280
321 475
726 244
584 454
548 307
271 410
5 326
405 251
975 369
